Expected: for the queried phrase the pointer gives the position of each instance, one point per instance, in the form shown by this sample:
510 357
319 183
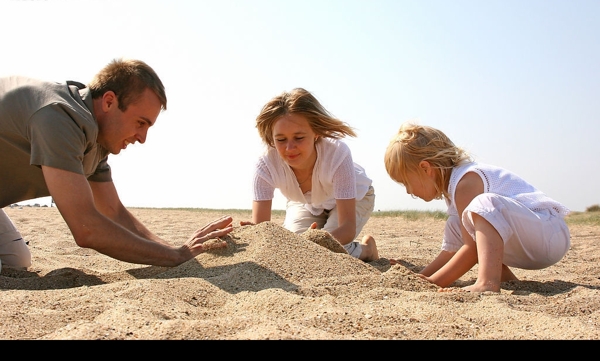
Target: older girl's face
295 140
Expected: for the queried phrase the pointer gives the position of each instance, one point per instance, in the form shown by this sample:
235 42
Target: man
55 140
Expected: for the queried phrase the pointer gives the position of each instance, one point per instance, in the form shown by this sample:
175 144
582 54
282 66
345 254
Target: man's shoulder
31 90
17 81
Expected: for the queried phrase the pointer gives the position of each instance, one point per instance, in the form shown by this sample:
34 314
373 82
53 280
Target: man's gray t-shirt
50 124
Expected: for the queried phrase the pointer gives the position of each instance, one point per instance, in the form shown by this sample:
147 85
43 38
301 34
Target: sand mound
324 239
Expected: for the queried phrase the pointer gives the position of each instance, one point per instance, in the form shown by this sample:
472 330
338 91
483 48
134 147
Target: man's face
119 128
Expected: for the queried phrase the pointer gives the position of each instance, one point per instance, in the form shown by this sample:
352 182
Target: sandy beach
270 284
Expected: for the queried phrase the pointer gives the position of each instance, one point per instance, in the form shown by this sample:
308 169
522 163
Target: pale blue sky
516 82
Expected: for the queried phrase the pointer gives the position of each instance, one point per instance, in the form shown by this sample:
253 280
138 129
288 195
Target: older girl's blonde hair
415 143
300 101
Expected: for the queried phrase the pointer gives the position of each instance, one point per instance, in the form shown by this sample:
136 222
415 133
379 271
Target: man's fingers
223 223
219 232
206 236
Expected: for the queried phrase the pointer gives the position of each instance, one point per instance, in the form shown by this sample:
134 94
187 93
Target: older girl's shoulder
331 144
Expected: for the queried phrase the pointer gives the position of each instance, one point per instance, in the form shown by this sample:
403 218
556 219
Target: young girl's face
421 182
294 140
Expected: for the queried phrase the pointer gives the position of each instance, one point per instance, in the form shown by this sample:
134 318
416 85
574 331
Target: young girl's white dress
530 223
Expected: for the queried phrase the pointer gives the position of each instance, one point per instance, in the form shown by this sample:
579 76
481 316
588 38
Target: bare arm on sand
98 220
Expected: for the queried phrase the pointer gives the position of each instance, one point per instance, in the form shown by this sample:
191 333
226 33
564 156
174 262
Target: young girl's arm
437 263
458 265
468 188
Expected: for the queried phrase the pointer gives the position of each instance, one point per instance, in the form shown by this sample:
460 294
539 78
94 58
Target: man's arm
107 201
92 229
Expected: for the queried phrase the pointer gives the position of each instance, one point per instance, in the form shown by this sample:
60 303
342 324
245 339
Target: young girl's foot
483 287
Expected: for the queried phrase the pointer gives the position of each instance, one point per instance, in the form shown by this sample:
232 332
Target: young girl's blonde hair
415 143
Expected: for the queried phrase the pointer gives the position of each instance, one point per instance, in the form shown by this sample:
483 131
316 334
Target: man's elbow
84 238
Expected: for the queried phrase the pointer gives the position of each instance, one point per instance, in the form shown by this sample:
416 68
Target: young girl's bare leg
507 274
369 249
490 251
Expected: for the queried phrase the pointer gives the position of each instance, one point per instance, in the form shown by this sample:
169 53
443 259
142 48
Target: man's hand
198 242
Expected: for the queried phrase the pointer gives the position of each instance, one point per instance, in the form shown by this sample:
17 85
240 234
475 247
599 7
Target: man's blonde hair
127 79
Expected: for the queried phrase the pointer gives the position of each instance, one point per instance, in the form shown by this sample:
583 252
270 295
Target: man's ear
109 100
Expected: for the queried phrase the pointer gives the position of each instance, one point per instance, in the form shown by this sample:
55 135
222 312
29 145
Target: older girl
306 160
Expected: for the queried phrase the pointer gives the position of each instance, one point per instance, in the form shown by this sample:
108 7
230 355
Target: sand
270 284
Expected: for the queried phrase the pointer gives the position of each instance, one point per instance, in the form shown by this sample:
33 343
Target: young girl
495 218
314 170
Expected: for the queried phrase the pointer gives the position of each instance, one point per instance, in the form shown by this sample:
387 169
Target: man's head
127 79
128 96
